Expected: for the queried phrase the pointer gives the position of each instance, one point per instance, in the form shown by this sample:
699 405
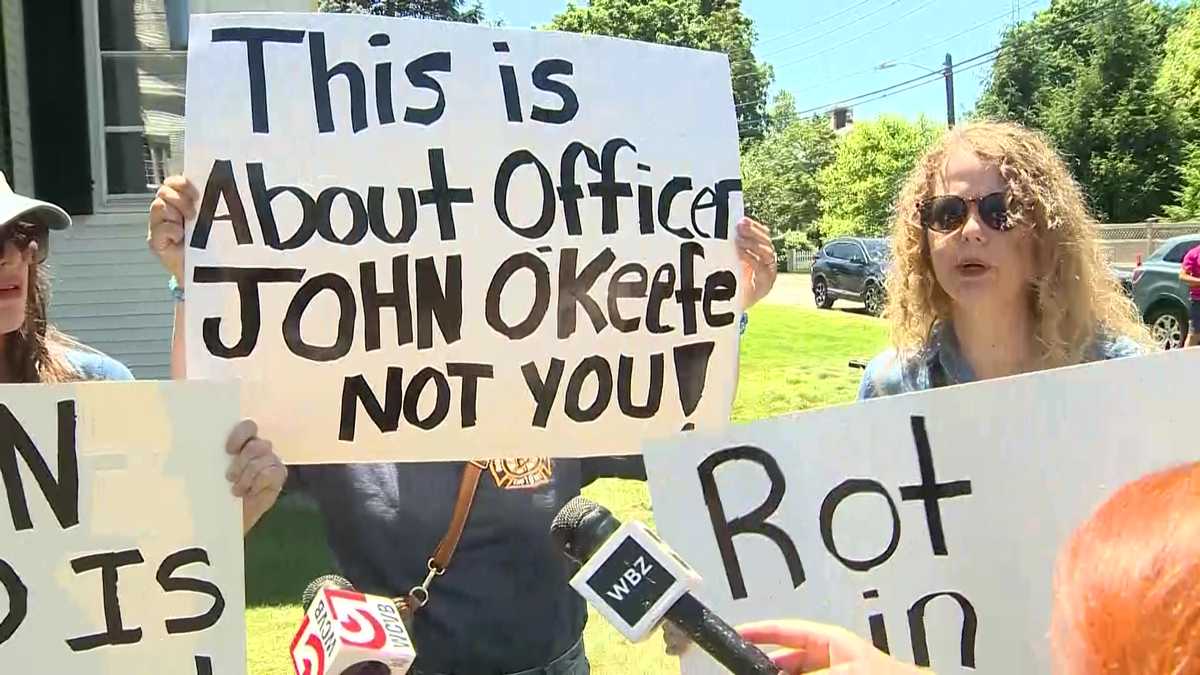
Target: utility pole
948 73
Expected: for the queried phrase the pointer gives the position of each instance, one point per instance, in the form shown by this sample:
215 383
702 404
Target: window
846 250
142 51
839 251
1176 254
878 248
137 51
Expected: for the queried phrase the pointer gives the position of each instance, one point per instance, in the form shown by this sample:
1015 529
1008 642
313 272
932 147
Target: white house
93 105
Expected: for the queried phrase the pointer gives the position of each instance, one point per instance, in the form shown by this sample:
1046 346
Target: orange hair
1127 584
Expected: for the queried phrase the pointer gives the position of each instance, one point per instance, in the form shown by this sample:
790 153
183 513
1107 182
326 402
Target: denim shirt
941 363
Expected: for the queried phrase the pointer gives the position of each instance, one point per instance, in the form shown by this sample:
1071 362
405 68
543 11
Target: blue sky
827 51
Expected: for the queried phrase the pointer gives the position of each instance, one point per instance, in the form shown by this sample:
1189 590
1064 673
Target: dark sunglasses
947 213
22 234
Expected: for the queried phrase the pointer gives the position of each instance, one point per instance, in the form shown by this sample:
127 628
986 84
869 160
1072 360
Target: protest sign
121 541
430 240
926 522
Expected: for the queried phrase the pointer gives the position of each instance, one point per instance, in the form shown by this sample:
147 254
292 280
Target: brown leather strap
466 495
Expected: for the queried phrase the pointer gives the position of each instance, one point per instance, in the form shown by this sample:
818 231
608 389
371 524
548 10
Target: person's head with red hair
1127 584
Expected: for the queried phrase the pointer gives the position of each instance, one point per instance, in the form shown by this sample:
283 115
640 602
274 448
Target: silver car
1160 296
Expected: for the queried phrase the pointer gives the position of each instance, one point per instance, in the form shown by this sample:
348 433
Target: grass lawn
792 359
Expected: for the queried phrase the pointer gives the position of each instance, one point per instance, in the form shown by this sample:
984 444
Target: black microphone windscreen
581 526
316 585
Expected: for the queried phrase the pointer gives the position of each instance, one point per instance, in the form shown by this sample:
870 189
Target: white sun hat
14 206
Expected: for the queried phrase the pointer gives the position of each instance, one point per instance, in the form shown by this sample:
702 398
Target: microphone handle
719 639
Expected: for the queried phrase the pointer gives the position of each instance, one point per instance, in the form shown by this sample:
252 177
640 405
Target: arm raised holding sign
255 472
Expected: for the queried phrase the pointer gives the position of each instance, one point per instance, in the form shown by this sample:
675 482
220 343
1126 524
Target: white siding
109 292
18 97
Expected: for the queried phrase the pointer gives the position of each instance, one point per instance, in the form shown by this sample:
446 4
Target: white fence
1126 243
799 261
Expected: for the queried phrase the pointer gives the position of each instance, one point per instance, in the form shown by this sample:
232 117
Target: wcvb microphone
345 632
632 578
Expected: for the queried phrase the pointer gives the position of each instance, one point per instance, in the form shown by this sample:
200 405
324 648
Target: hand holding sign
256 473
757 257
174 203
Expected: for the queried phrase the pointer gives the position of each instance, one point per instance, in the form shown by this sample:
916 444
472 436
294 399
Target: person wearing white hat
33 351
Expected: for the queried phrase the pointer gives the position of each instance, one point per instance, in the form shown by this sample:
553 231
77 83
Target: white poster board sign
431 240
121 541
933 517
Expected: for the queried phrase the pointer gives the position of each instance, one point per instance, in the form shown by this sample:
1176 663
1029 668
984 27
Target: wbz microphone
345 632
635 580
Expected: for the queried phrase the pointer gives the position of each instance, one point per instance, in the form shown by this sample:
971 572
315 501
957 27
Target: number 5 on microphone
633 579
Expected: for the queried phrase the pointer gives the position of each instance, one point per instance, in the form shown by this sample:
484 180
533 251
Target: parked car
1161 298
851 268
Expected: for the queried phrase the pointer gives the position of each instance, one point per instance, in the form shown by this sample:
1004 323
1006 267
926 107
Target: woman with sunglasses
996 270
32 350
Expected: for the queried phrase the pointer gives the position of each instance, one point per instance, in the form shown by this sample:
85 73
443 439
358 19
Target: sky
824 52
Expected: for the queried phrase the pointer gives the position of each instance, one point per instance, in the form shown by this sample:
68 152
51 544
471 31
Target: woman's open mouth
10 291
972 268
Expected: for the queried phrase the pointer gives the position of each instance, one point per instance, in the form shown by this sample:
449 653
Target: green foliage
1179 83
831 227
858 189
449 10
787 242
1084 71
712 25
1179 76
779 173
1188 206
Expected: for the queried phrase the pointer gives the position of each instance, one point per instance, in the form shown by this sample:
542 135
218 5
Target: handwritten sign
429 240
122 544
927 522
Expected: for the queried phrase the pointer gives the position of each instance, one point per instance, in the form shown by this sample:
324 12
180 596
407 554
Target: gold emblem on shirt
518 473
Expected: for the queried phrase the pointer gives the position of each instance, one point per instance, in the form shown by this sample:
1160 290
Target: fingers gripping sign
174 204
255 473
757 256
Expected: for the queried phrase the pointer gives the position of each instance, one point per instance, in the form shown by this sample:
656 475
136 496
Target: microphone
635 580
345 632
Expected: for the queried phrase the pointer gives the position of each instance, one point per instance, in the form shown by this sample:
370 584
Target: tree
779 173
1084 72
448 10
1179 76
712 25
1188 206
1179 83
859 188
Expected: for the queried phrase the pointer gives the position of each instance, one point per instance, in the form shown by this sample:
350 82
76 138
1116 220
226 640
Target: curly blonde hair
1074 299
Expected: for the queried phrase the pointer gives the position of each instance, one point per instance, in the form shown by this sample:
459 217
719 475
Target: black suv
851 268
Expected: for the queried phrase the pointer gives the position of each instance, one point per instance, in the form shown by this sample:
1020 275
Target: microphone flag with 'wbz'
344 629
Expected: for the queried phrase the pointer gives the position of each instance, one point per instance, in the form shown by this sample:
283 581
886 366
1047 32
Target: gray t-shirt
504 604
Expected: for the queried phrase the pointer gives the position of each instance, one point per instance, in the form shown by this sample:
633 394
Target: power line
831 31
928 78
923 79
853 39
918 50
922 84
815 23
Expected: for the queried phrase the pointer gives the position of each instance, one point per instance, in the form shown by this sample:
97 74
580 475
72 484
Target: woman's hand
809 647
757 254
256 472
174 203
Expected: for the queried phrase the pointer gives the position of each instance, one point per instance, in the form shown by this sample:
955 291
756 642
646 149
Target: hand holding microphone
632 578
